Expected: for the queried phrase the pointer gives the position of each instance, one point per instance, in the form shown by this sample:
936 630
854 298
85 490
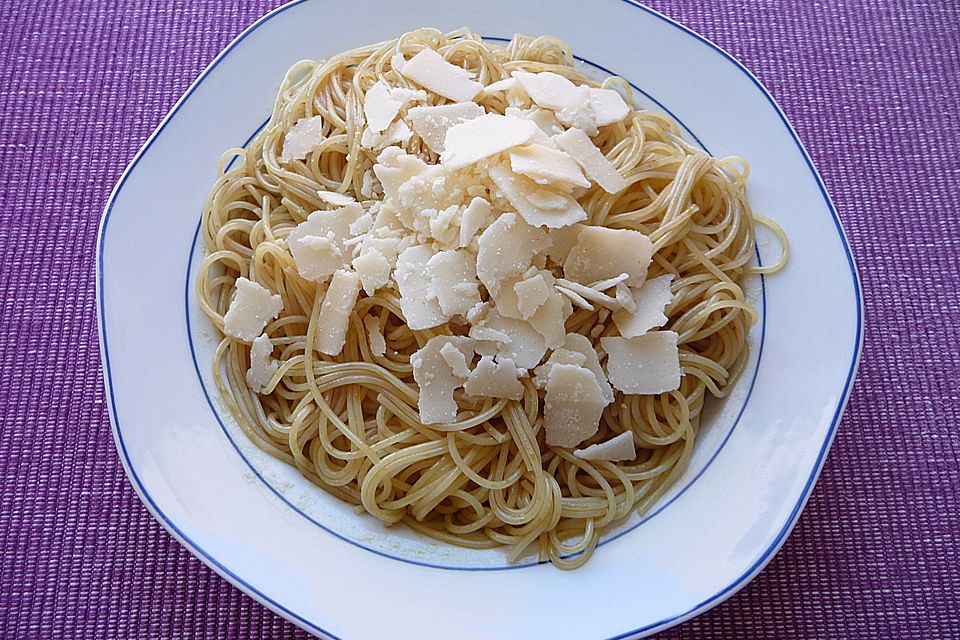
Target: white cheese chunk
431 71
543 118
361 225
592 108
518 190
250 311
549 90
576 343
453 279
419 305
262 366
436 379
578 112
456 359
550 318
501 85
601 253
506 248
302 138
379 107
394 167
562 241
432 123
373 269
482 137
474 216
378 345
532 293
617 449
494 379
397 133
336 199
572 405
546 166
608 106
366 184
317 243
526 346
482 333
650 300
594 163
335 312
646 364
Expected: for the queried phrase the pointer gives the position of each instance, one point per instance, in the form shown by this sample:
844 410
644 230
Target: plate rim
277 607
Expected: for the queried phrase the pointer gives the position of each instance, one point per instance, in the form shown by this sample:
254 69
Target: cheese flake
397 133
601 253
617 449
572 405
419 305
562 211
428 69
651 299
302 138
379 107
453 280
547 166
262 366
549 90
334 317
436 379
373 269
525 345
335 198
394 167
474 216
646 364
252 308
506 248
317 243
378 345
456 359
576 143
576 343
482 137
501 85
494 379
432 123
532 293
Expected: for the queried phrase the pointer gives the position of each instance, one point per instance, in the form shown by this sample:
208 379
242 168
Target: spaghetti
350 422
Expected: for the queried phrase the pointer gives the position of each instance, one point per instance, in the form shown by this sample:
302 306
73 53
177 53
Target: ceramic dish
308 556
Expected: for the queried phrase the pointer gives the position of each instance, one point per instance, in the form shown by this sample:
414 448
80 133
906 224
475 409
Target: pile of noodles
350 423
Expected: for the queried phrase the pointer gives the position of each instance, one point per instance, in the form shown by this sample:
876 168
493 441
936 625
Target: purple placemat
874 92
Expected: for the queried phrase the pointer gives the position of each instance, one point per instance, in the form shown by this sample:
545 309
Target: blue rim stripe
216 414
290 615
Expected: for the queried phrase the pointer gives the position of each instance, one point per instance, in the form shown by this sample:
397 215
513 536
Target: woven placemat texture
873 89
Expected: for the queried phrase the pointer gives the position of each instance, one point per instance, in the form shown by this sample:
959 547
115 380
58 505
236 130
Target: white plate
310 558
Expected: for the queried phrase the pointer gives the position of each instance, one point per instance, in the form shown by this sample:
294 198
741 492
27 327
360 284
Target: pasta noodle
350 422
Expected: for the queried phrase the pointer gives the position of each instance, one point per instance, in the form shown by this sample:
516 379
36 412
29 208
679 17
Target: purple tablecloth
873 88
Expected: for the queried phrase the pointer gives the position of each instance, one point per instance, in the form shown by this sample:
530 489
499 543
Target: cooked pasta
351 422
